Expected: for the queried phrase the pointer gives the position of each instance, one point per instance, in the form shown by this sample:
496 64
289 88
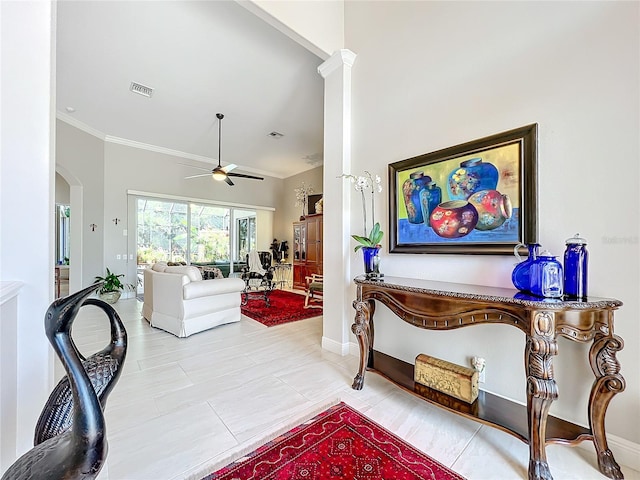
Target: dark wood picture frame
478 197
311 205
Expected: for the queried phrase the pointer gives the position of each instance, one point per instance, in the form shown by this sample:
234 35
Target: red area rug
285 307
340 443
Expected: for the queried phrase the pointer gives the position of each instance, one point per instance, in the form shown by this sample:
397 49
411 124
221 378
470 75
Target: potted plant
368 242
112 287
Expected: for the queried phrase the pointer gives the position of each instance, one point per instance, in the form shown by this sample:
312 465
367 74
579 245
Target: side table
282 274
435 305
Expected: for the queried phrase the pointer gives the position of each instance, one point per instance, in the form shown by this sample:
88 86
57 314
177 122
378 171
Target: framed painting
475 198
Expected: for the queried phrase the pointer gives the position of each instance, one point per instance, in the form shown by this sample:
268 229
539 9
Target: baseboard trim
341 349
626 452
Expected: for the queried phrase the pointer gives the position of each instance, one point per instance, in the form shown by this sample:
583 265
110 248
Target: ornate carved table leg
608 383
541 390
363 330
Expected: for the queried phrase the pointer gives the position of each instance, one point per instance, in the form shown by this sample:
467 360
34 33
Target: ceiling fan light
219 176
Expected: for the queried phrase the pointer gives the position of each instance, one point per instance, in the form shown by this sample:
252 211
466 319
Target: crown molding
153 148
185 155
80 125
339 59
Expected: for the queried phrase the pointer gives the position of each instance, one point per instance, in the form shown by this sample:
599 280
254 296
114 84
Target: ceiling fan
221 173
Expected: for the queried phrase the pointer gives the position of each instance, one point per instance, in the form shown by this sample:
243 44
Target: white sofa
177 300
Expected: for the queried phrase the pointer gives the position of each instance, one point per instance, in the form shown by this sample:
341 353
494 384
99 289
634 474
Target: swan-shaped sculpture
80 452
103 368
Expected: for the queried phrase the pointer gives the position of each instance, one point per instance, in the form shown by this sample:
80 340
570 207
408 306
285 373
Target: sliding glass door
193 233
209 237
246 233
162 231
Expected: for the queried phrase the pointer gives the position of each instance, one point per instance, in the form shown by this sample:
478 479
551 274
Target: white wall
264 233
26 198
107 171
435 74
81 156
62 190
286 211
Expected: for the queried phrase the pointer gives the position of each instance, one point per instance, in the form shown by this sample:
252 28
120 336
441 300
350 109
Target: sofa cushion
159 266
209 273
192 272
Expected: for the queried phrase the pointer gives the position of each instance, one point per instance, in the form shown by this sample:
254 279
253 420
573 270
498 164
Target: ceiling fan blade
229 182
193 166
200 175
244 176
229 167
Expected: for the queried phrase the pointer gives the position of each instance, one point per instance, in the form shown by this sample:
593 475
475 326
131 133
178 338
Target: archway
75 230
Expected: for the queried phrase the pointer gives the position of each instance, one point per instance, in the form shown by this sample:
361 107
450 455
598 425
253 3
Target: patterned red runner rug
285 307
340 443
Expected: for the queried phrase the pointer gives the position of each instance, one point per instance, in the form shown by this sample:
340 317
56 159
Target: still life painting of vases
473 198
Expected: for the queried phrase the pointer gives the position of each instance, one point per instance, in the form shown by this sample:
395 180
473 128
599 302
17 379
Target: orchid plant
365 184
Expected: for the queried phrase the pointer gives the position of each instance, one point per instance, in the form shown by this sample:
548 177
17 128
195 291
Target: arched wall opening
75 230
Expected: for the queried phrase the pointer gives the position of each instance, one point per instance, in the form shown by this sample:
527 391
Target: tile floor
183 405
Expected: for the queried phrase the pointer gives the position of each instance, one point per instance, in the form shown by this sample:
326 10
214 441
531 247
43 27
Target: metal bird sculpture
78 453
103 368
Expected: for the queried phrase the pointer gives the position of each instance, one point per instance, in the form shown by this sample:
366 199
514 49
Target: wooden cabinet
307 249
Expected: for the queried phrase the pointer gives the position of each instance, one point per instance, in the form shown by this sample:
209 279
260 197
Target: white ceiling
201 58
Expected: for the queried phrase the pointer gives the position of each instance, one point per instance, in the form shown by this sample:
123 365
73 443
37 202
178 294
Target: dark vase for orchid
371 262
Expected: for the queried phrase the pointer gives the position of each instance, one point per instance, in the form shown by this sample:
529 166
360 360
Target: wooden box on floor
455 380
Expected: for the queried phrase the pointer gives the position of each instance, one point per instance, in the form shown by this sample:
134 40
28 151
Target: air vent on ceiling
275 135
141 89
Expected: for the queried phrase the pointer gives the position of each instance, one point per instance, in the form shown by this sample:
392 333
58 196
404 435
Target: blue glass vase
521 276
371 262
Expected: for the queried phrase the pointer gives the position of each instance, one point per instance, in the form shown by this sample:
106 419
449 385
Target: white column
337 311
27 195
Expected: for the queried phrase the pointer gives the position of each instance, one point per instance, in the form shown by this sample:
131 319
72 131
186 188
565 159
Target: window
162 231
193 233
209 237
246 228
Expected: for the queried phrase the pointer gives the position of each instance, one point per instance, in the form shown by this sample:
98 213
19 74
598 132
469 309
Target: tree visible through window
209 234
182 232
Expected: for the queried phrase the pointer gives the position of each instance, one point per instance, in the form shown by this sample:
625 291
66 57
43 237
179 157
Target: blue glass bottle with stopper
576 259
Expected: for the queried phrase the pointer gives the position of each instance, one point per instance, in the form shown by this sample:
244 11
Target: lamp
283 250
219 175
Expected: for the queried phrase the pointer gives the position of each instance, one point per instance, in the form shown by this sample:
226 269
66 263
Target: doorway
62 222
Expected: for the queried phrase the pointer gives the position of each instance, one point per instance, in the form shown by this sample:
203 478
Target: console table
444 306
